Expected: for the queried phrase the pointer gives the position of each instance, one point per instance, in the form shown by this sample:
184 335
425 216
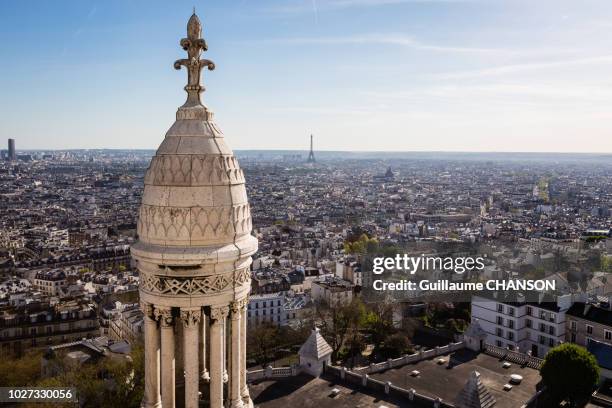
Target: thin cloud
303 6
518 68
315 11
92 11
374 3
396 40
533 94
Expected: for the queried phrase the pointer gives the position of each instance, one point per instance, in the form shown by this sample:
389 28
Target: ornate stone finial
194 44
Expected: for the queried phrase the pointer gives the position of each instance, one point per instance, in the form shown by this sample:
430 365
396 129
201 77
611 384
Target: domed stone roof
194 207
194 192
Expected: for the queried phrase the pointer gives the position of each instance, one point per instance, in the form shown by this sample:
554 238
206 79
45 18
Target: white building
267 308
58 236
529 327
127 322
332 291
50 282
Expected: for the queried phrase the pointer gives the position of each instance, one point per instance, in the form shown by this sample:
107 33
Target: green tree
262 340
571 373
395 346
379 322
104 382
128 378
18 372
362 245
340 322
356 342
606 263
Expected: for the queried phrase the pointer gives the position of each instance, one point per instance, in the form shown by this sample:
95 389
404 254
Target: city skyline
361 75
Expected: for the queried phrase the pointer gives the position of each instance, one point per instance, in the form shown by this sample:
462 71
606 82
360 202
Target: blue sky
451 75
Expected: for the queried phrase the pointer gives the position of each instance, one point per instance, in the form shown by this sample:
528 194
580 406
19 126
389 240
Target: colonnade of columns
207 356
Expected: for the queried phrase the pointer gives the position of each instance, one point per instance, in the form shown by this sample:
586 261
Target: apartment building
50 282
267 308
128 324
589 321
350 271
332 291
39 324
529 327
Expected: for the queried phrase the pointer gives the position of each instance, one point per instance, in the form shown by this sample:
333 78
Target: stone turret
194 253
315 353
475 336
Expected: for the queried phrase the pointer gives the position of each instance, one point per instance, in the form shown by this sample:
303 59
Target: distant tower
311 158
194 254
11 150
389 174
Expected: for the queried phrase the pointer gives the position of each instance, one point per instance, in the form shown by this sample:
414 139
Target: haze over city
362 75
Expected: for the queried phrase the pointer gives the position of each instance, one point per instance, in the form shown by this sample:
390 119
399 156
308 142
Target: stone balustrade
514 356
410 358
273 372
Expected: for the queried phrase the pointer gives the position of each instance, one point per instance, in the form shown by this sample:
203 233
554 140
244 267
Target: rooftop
592 312
51 275
447 380
602 352
306 391
335 285
266 296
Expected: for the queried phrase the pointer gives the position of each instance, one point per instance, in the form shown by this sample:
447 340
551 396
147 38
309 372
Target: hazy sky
466 75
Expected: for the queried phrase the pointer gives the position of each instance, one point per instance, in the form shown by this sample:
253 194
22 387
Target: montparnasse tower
193 254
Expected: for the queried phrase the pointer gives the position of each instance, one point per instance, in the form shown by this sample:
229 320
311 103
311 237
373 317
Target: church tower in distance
193 254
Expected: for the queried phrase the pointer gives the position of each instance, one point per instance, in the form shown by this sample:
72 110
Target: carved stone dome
195 219
194 192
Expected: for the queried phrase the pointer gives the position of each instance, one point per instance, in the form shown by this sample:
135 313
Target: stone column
205 375
167 356
191 320
152 397
224 351
218 315
236 356
246 399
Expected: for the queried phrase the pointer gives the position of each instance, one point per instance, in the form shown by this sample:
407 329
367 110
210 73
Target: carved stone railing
273 372
410 358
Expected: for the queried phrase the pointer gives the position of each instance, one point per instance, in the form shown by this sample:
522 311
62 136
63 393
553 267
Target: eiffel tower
311 158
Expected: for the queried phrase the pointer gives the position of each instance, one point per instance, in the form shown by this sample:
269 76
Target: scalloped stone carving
195 223
193 170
